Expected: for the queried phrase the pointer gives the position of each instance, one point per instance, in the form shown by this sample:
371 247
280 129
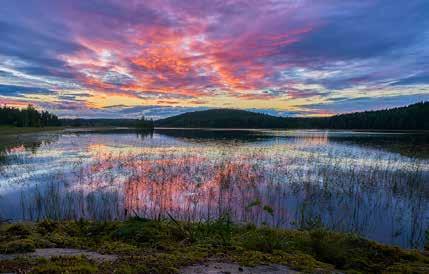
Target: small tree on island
145 123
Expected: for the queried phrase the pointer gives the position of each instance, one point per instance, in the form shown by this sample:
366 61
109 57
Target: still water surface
372 183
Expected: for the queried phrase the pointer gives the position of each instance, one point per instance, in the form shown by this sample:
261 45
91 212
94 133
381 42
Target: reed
295 187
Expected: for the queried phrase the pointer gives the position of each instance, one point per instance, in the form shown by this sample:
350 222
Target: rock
232 268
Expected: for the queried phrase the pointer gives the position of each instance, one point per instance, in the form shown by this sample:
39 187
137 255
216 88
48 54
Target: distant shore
10 130
293 129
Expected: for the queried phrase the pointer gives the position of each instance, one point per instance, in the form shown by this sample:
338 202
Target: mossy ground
145 246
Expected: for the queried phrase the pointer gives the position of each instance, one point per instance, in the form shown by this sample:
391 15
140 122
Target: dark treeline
138 123
28 117
413 117
226 118
222 118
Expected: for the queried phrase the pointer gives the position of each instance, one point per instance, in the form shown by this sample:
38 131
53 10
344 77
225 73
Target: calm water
372 183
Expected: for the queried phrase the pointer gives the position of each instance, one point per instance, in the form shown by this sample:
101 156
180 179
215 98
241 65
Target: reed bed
285 186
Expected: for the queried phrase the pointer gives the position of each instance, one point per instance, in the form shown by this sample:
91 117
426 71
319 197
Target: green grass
146 246
10 130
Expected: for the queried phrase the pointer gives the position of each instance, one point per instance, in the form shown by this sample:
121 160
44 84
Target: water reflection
13 145
297 179
414 144
218 135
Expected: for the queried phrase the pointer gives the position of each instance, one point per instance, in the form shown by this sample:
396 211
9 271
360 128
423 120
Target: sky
124 59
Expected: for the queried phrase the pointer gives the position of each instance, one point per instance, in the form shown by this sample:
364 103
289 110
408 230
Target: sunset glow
160 58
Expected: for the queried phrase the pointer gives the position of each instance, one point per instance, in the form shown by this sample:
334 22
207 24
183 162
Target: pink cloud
179 50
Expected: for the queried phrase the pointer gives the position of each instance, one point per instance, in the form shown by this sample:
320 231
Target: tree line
27 117
413 117
141 123
31 117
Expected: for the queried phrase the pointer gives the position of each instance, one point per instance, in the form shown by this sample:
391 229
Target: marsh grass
161 208
263 186
11 130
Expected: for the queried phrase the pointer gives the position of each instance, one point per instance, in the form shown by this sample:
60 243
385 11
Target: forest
31 117
412 117
27 117
143 123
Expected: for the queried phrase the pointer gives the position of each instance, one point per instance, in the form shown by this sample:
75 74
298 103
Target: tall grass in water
278 186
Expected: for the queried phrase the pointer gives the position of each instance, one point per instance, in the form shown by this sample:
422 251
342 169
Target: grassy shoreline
165 246
10 130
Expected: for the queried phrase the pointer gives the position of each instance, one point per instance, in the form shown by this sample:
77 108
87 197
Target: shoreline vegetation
409 118
11 130
165 246
27 120
412 117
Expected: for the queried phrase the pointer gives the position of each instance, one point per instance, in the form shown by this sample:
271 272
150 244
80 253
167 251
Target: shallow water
372 183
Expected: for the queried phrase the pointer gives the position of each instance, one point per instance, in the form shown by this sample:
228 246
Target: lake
375 184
